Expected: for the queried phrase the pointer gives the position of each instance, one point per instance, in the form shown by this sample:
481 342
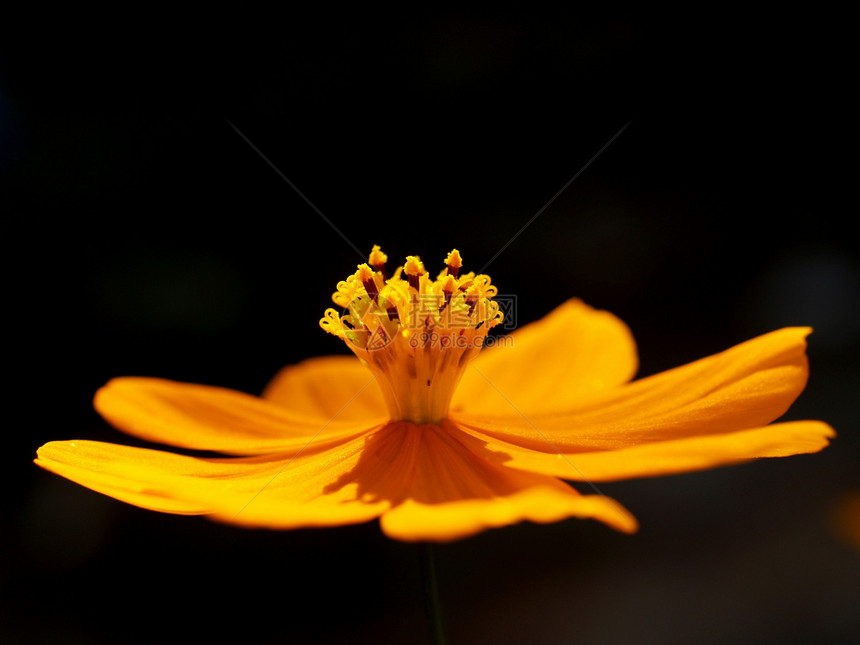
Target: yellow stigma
417 335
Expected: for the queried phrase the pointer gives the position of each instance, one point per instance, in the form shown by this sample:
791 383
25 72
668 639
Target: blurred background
143 235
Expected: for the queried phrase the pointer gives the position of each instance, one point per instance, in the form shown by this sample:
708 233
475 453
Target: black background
143 235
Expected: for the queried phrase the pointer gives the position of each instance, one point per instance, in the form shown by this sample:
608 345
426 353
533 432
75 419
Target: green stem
431 594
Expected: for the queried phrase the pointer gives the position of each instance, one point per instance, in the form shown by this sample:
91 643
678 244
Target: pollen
416 335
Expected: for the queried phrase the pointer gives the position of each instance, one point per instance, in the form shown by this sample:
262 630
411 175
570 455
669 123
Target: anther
414 269
377 260
454 262
365 274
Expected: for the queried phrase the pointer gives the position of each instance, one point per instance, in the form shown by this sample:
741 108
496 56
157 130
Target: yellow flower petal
438 489
662 457
279 491
744 387
349 484
327 386
551 364
131 475
454 493
211 418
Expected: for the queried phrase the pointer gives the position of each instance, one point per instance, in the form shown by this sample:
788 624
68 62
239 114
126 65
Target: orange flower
438 439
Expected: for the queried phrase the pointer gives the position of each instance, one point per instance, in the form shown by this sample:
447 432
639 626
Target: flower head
416 334
434 435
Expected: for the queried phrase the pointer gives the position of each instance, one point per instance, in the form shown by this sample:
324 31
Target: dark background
143 236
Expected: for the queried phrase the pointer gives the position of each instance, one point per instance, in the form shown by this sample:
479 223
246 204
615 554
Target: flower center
416 334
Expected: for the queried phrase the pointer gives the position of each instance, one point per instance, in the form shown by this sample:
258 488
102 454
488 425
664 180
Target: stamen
414 270
454 262
365 274
377 260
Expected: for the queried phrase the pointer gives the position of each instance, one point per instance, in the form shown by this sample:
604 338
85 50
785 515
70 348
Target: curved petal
662 457
428 485
276 491
211 418
551 364
131 475
454 493
327 386
744 387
